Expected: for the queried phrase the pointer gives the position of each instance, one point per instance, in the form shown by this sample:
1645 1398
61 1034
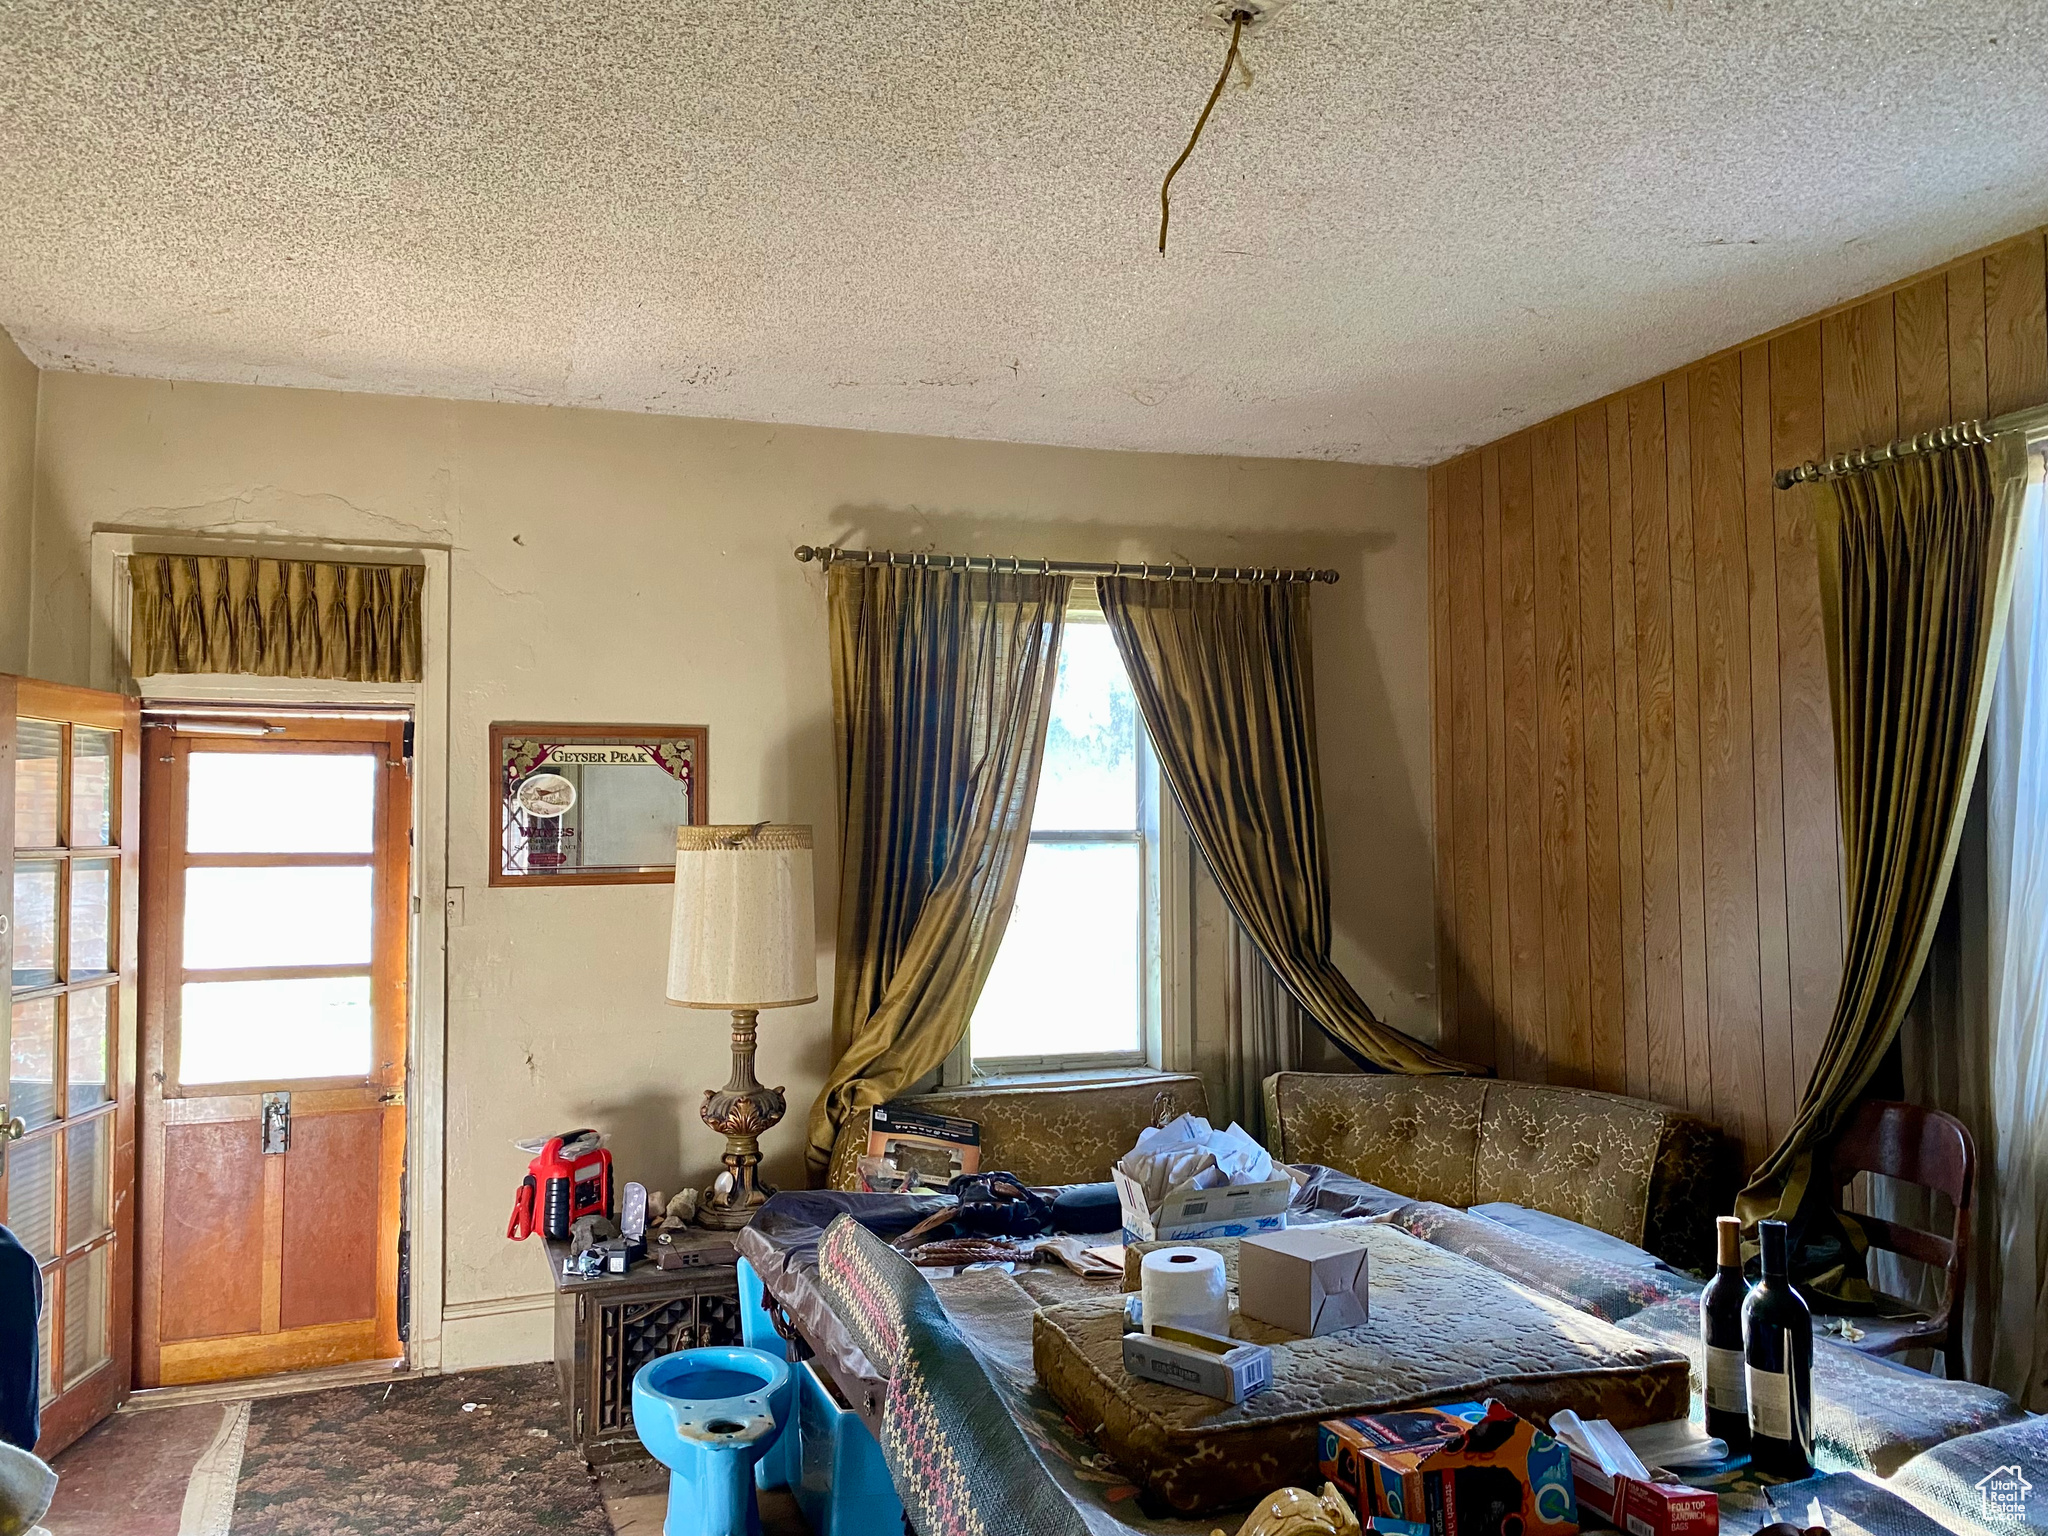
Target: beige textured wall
627 567
17 500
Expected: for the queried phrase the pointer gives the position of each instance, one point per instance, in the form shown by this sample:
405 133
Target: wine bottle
1777 1354
1721 1333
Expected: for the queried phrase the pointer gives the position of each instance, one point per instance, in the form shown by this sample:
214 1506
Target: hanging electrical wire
1237 20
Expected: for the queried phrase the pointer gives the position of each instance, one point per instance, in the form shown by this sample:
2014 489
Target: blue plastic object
778 1468
843 1486
709 1415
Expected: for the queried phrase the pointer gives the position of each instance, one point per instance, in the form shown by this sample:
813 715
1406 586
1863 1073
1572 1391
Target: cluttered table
1308 1365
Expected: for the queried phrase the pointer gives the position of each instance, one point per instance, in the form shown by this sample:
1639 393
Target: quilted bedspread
1442 1328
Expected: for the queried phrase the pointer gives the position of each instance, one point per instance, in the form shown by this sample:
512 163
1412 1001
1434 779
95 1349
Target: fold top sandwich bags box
1661 1507
1464 1469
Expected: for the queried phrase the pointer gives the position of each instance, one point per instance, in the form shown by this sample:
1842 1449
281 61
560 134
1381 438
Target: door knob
12 1130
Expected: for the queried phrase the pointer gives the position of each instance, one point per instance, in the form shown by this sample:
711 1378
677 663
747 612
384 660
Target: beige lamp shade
744 933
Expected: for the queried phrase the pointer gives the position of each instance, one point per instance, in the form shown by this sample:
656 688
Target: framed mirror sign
593 804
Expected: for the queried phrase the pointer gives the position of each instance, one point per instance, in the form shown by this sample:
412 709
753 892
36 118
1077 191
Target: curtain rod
1955 434
1010 565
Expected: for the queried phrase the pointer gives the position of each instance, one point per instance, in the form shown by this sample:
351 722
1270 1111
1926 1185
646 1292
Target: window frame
1163 961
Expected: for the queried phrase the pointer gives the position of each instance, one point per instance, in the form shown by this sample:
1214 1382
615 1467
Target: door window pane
1066 980
281 802
271 1031
32 1194
92 787
35 924
46 1359
86 1061
85 1315
86 1150
1090 779
38 775
245 917
92 918
33 1060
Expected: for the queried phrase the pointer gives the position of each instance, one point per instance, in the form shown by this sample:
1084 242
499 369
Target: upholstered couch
1642 1172
1063 1133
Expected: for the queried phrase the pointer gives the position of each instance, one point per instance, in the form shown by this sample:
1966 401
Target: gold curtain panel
1916 581
942 688
1223 678
275 618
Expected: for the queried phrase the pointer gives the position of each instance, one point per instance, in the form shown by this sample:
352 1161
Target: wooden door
276 911
69 833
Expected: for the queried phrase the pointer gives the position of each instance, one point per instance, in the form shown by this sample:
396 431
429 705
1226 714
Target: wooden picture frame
536 764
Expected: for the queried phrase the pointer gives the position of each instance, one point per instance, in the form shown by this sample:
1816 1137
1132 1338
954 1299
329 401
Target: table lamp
744 938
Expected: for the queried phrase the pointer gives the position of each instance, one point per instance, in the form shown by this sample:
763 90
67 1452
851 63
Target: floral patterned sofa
1642 1172
1062 1133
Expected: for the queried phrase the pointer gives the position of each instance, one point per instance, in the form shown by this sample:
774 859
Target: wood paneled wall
1638 854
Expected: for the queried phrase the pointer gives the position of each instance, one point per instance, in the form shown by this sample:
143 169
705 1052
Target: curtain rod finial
806 552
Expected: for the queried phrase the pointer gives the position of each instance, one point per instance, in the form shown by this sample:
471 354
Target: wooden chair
1933 1150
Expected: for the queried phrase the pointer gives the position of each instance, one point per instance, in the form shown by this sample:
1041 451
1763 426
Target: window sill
1070 1078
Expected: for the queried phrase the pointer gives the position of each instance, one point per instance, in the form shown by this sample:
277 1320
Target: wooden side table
608 1326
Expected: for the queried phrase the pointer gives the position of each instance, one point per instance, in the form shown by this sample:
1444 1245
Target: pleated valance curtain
1223 678
275 618
1916 575
942 686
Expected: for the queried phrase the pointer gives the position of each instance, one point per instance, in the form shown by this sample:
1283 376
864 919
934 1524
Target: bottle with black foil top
1721 1333
1777 1351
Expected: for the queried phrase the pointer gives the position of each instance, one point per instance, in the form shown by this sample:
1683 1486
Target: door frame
426 1027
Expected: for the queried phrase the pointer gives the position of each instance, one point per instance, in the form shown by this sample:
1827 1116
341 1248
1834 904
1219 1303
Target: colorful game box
1464 1469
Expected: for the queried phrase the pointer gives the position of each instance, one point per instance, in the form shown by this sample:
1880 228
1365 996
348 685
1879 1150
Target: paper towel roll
1185 1288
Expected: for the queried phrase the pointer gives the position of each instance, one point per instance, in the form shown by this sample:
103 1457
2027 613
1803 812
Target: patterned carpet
481 1454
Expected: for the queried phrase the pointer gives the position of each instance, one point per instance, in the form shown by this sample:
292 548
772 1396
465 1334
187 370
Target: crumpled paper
1189 1154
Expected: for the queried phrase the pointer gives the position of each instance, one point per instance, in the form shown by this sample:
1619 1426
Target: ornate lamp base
740 1112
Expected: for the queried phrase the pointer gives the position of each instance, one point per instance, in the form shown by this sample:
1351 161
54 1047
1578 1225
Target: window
1076 984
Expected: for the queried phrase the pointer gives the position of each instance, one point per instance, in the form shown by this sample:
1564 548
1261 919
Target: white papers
1680 1443
1190 1154
1599 1443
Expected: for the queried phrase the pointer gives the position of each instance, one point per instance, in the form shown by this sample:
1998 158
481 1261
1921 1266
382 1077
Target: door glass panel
33 1060
35 924
281 802
271 1031
85 1181
92 918
85 1315
38 775
46 1360
245 917
92 787
32 1194
86 1061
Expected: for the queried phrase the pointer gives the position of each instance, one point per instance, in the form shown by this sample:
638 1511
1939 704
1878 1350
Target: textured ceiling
1422 225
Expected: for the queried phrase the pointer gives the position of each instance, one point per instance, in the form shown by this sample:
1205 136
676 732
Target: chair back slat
1909 1242
1904 1141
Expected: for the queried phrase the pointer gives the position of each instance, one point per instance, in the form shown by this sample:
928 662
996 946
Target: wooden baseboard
509 1330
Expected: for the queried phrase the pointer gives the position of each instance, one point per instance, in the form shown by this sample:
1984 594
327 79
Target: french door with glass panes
276 913
69 831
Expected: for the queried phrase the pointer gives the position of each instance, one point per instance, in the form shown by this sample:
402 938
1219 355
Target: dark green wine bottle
1721 1333
1777 1353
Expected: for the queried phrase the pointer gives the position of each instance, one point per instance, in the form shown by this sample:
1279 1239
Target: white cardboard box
1231 1210
1303 1280
1208 1363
